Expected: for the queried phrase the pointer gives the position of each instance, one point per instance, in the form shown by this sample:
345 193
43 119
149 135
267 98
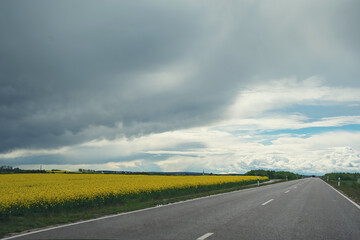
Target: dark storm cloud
65 66
73 71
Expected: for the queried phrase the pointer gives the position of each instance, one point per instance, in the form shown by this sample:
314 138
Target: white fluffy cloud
277 94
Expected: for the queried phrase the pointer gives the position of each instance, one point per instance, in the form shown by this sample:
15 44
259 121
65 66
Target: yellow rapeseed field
22 192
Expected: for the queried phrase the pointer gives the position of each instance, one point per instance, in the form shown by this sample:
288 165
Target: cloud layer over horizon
180 85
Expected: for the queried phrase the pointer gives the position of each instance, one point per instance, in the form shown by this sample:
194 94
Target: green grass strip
350 188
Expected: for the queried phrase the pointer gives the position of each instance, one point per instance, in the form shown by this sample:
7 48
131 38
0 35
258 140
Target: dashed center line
205 236
267 202
287 191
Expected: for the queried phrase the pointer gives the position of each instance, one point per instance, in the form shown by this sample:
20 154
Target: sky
214 86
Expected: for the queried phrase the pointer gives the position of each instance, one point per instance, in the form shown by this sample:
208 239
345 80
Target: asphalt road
301 209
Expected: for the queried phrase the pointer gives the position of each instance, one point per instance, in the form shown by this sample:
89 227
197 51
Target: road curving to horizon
300 209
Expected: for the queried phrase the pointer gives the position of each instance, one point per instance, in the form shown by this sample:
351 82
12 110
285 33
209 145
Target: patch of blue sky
316 112
314 130
239 132
267 141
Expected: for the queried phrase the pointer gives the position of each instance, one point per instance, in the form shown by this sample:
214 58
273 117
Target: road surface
301 209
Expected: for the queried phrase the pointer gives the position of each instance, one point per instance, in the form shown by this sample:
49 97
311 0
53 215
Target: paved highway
301 209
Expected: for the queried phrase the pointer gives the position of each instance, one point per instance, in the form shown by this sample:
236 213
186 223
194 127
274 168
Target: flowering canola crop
23 192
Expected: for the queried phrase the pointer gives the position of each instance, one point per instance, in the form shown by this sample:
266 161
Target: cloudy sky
219 86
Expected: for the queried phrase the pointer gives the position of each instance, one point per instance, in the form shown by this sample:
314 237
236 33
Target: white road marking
205 236
287 191
355 204
267 202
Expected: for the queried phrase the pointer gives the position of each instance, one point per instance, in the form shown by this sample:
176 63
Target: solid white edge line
267 202
355 204
125 213
205 236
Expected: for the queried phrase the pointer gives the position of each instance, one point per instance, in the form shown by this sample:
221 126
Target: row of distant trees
274 174
10 169
343 176
86 170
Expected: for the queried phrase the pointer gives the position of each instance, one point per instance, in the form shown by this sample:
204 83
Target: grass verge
10 225
349 188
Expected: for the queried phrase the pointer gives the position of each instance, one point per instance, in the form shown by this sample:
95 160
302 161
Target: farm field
22 193
29 201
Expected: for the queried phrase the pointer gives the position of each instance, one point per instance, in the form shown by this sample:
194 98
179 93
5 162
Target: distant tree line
86 170
10 169
274 174
343 176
